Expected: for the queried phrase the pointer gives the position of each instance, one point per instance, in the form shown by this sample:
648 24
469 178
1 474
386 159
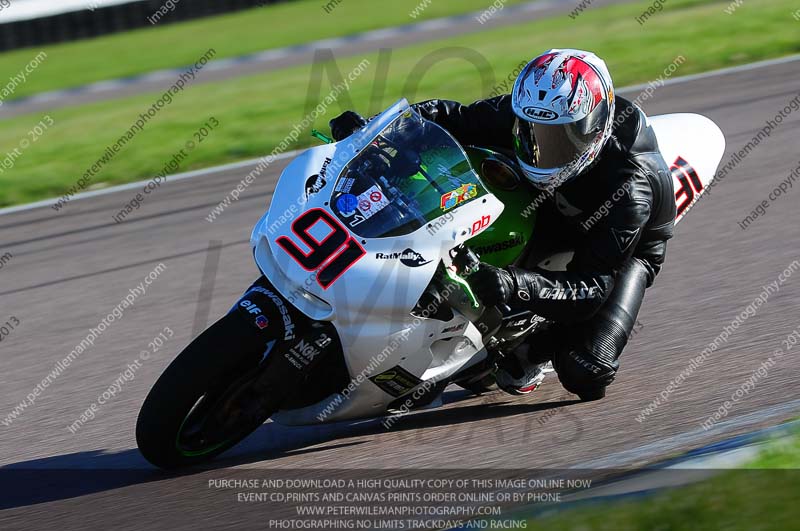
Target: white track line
719 72
138 184
245 163
676 442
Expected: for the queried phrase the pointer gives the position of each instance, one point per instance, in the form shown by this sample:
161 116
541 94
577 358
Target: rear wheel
205 401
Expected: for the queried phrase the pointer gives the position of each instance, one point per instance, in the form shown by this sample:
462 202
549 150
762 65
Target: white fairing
696 140
370 303
691 138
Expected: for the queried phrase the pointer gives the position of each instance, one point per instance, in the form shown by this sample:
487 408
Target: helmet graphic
564 102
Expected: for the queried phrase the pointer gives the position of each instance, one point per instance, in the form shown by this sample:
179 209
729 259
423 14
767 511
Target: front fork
296 347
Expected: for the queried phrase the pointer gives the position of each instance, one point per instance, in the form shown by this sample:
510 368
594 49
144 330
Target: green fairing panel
503 242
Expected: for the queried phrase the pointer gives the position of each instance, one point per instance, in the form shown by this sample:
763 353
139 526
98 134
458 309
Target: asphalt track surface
70 269
259 63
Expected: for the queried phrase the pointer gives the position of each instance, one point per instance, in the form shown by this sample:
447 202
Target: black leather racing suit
617 216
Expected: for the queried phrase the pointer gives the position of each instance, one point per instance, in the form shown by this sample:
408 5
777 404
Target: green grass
257 112
783 454
253 30
758 497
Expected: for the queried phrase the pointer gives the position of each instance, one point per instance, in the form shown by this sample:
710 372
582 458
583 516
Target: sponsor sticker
314 185
250 306
372 201
288 324
262 322
305 352
396 381
346 204
344 185
454 328
480 224
324 170
515 241
462 194
409 257
540 113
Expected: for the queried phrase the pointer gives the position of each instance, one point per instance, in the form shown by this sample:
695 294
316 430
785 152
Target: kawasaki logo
500 246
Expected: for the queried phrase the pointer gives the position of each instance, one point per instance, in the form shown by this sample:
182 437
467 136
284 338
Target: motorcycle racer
605 192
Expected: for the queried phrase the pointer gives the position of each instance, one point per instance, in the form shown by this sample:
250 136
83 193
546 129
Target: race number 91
330 257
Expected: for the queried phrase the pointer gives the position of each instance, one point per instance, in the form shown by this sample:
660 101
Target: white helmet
564 102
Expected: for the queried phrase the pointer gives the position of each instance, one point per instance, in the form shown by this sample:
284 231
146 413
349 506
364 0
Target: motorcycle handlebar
467 262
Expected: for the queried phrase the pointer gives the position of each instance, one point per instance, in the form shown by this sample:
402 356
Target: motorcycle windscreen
412 173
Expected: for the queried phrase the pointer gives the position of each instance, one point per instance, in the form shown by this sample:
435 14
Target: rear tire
204 375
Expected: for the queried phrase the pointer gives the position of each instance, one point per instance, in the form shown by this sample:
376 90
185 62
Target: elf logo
250 307
563 294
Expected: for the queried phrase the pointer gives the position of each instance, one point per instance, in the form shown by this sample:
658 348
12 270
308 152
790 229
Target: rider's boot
520 373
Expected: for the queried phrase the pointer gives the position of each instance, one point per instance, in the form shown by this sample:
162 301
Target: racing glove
492 285
346 124
560 296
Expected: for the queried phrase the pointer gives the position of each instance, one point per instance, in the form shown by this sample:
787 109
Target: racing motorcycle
364 307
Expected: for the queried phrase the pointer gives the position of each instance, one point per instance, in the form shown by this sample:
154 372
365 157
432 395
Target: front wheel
205 401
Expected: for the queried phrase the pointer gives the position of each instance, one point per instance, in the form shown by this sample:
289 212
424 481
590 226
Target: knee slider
583 374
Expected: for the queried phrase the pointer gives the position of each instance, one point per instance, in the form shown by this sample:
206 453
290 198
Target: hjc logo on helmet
564 115
539 113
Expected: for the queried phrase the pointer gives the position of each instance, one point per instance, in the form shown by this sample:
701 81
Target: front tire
202 404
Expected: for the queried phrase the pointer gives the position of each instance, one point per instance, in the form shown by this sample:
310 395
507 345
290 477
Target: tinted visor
553 146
